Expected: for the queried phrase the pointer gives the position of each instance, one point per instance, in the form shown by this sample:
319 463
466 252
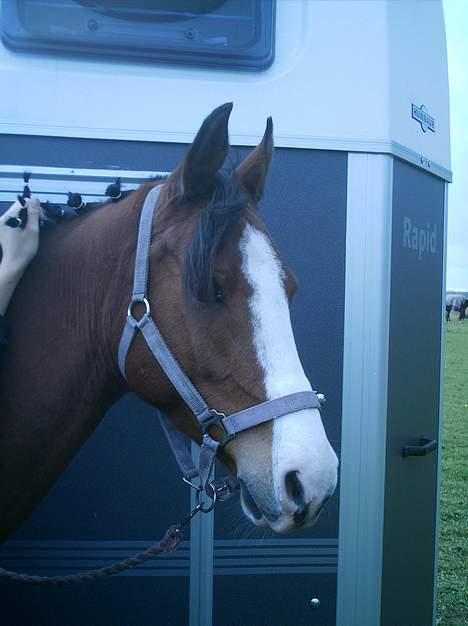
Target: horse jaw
287 468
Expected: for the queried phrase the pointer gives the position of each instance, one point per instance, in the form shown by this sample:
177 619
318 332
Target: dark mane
56 213
224 210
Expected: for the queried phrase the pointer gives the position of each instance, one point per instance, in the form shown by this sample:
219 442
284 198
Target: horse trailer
357 201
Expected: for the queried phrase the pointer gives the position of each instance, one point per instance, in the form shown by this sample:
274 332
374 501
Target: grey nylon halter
230 425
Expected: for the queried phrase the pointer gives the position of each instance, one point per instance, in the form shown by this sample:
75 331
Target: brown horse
220 296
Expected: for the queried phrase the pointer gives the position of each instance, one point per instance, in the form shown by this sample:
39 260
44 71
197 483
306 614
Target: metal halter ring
212 495
138 301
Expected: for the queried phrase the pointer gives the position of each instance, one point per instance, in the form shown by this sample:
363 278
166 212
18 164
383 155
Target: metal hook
186 521
212 494
190 484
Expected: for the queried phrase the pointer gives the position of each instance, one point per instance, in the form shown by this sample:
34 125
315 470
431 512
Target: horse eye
218 292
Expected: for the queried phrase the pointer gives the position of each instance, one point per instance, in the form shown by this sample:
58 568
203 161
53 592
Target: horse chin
285 524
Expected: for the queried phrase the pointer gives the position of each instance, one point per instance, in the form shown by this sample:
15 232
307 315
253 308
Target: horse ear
253 170
207 153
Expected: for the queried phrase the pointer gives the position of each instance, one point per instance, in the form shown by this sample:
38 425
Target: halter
229 425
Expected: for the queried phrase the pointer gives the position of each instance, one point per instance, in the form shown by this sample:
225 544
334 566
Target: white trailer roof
346 76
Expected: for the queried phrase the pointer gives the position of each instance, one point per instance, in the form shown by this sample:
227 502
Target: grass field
452 581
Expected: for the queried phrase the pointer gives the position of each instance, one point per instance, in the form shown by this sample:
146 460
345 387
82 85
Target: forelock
224 210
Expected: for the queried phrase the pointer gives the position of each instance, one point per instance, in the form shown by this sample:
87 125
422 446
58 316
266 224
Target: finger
34 207
12 211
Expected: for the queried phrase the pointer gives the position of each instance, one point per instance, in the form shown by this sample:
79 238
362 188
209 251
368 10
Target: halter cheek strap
206 417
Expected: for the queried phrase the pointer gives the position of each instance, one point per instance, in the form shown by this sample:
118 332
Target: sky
456 25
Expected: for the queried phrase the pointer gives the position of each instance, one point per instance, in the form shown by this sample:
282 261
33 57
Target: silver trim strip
274 570
441 411
365 369
231 557
277 543
109 174
376 146
421 161
230 545
53 558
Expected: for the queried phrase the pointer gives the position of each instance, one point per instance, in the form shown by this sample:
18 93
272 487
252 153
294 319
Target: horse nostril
294 489
301 514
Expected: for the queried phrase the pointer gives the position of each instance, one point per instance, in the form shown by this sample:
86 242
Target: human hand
18 247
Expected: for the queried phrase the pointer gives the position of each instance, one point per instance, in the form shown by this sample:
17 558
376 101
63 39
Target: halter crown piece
230 425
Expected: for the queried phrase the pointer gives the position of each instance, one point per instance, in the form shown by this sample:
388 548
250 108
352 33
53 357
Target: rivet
315 603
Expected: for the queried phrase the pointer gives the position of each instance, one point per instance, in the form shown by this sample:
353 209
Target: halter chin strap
229 425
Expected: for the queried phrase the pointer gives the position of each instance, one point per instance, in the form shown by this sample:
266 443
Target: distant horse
220 296
455 302
463 308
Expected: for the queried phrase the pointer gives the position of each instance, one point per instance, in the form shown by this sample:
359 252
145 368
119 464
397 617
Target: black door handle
425 446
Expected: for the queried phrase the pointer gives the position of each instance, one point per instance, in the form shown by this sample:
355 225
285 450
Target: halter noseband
230 425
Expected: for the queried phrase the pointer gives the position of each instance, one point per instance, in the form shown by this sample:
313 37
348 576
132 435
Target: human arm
18 246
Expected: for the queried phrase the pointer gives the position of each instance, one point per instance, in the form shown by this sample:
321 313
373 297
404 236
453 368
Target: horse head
220 295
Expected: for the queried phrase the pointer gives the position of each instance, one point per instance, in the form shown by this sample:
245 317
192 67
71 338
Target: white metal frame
441 409
365 375
201 562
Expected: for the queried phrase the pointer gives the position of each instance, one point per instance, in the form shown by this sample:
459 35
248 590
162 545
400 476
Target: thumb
34 208
34 205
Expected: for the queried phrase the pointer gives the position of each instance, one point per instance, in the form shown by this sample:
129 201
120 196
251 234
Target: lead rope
170 542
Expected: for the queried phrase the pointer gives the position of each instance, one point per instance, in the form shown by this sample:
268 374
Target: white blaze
299 440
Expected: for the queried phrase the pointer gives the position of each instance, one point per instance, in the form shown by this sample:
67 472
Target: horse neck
60 375
66 316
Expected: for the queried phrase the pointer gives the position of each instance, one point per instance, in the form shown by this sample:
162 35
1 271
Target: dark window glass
226 33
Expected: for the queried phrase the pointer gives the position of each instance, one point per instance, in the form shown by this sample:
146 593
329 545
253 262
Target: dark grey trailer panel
123 488
413 396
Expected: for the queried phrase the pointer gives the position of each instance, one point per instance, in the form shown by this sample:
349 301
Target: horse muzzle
292 513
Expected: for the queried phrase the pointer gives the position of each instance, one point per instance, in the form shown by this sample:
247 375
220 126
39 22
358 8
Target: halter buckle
216 419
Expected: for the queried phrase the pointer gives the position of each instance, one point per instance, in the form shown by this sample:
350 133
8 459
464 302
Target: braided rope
167 544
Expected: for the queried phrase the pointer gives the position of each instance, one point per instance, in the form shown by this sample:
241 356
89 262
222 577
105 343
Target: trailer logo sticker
421 115
421 240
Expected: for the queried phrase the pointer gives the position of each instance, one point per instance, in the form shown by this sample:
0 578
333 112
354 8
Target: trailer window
225 33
